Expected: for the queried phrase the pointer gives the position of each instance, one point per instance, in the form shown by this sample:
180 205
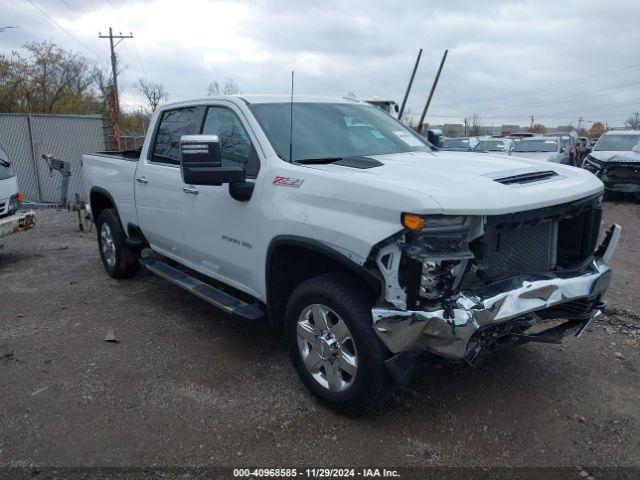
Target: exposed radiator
507 252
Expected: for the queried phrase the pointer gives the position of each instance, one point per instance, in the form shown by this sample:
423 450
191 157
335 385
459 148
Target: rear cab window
173 125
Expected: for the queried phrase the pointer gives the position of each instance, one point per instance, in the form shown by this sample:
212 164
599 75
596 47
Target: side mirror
201 162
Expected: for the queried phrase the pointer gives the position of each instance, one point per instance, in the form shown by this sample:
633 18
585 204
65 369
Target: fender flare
295 241
104 192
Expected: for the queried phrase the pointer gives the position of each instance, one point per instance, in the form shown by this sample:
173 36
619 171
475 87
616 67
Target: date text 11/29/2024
315 473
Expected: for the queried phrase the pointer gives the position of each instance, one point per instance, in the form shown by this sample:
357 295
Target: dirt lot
188 385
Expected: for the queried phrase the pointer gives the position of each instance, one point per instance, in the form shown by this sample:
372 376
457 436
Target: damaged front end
620 173
462 287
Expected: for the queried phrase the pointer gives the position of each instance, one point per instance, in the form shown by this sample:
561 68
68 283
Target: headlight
591 163
417 223
14 203
436 252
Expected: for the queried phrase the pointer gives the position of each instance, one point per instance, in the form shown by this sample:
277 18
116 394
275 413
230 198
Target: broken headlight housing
436 256
591 164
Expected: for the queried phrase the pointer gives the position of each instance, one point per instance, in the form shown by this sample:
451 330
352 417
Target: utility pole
433 88
113 94
579 123
531 126
406 93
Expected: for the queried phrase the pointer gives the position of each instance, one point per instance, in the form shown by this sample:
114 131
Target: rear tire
339 358
118 259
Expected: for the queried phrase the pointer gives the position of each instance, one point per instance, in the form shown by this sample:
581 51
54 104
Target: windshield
526 145
455 143
335 130
4 158
5 171
491 146
618 142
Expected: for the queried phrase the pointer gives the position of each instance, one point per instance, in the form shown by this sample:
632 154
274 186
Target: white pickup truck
372 249
12 220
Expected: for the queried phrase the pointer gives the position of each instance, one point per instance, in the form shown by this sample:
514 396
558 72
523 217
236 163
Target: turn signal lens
412 222
419 222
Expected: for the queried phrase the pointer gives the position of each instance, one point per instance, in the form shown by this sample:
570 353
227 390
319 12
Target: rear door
161 203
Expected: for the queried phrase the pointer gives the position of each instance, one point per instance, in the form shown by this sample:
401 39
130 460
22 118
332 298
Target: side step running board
206 292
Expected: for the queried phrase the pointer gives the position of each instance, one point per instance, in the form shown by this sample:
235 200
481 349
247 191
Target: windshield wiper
310 161
5 163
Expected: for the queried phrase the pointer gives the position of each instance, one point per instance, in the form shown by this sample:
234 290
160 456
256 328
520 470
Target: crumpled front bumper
19 222
447 333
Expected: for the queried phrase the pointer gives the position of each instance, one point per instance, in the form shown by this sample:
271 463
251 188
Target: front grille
535 241
619 172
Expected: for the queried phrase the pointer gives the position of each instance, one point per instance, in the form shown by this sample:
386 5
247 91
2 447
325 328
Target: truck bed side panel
116 175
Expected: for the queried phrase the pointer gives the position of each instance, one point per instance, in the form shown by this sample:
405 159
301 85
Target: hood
615 156
540 156
468 183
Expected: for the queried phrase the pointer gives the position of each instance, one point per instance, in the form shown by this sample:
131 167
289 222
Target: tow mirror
201 162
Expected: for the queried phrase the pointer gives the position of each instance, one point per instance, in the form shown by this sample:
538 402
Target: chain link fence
27 137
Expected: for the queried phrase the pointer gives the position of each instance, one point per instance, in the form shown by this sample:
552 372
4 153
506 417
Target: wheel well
99 201
289 265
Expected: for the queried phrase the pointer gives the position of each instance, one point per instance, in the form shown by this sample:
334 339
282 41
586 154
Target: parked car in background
549 149
459 144
494 145
615 159
12 220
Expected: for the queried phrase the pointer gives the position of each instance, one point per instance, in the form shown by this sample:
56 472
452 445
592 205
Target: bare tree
537 128
475 125
633 122
229 87
154 92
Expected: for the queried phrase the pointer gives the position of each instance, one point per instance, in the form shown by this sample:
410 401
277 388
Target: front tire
118 259
333 346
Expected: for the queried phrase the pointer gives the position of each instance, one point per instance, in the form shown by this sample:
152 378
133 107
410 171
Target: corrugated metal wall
66 137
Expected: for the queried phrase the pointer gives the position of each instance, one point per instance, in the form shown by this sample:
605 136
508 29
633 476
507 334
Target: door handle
191 190
142 180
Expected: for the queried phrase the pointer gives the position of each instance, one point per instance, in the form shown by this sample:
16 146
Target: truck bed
113 174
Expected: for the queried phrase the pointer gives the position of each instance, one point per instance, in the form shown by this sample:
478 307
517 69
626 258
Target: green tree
47 79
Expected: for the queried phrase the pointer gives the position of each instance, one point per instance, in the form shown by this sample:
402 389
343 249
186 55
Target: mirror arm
241 192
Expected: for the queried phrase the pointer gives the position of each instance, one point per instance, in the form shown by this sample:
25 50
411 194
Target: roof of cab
622 132
258 98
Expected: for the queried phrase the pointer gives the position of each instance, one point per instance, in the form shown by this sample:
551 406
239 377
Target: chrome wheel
327 347
107 244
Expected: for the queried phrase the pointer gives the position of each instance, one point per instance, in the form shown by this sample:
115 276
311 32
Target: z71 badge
288 181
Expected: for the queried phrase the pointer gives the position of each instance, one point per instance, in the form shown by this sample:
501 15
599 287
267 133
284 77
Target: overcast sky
557 60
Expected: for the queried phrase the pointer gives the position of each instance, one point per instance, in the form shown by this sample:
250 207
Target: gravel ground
187 385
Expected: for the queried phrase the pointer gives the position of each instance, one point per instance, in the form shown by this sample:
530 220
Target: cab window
174 124
235 144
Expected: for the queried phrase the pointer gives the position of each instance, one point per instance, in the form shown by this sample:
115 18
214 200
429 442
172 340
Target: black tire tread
346 293
126 259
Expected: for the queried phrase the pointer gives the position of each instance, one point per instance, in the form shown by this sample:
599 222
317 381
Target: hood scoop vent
359 162
529 177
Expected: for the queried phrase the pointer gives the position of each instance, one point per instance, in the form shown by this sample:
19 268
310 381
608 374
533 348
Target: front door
222 232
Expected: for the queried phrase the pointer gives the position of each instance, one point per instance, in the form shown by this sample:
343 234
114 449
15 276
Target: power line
77 14
64 30
518 93
564 99
139 57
